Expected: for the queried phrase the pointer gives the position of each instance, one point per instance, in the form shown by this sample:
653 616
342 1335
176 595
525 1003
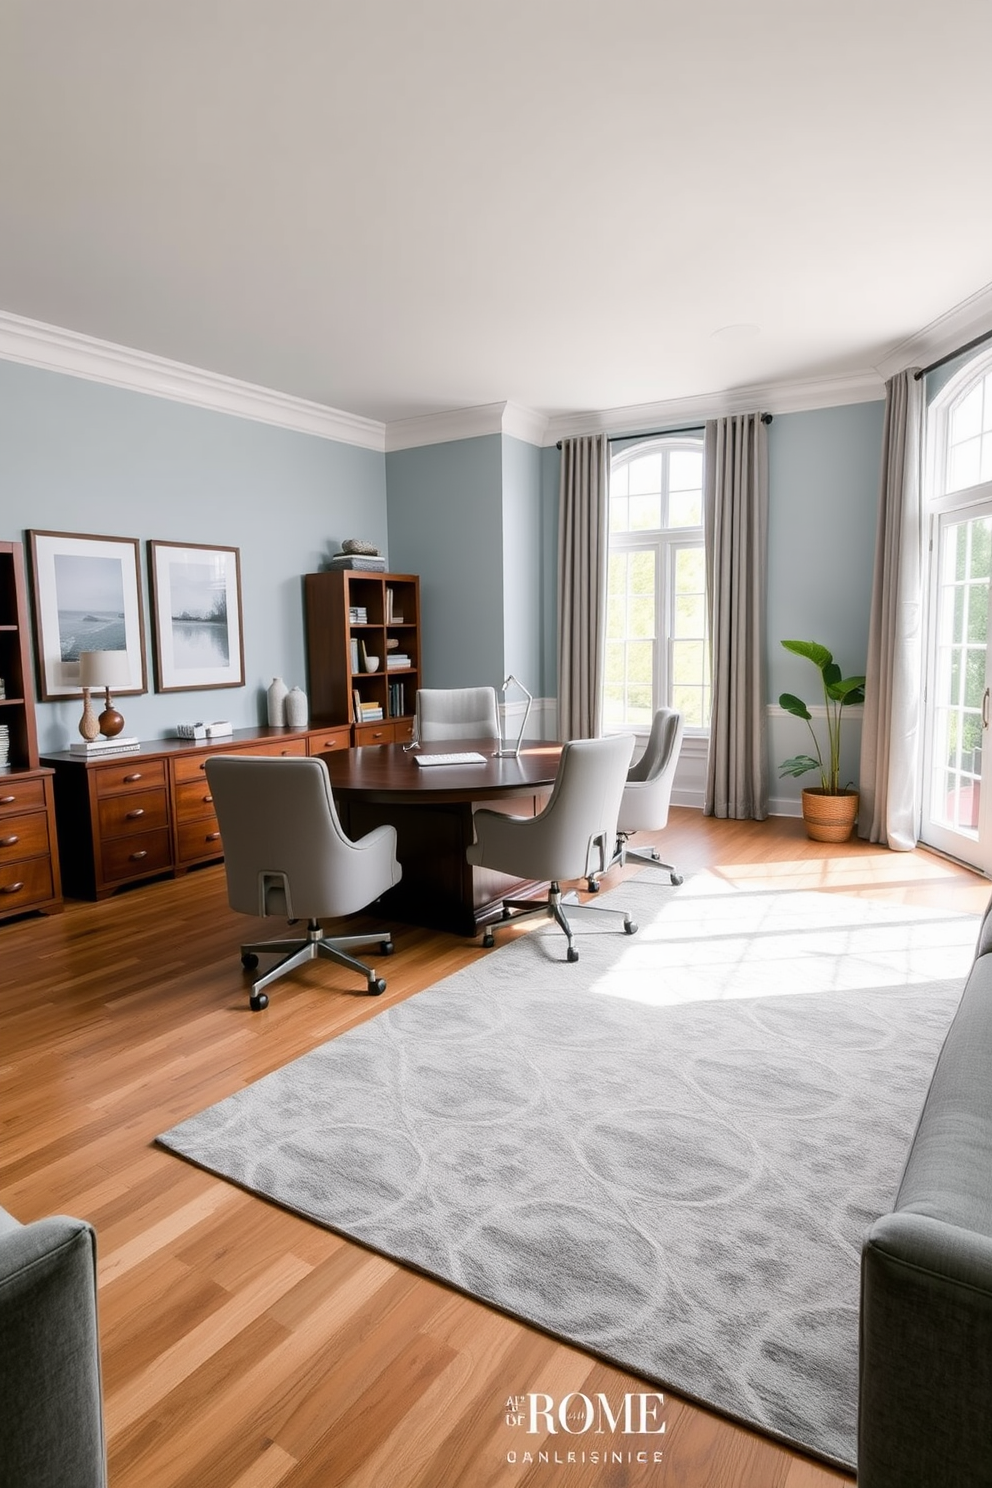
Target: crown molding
467 423
972 317
770 397
56 350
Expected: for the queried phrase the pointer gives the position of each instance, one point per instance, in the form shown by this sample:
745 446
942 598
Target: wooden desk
432 813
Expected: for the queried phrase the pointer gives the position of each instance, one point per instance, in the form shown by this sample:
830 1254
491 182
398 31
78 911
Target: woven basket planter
829 818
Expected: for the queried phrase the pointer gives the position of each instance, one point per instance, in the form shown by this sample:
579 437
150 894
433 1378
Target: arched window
657 649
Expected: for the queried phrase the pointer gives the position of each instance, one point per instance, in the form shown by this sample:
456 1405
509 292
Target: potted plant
829 810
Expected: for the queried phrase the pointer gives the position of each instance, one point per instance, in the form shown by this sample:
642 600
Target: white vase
276 697
296 708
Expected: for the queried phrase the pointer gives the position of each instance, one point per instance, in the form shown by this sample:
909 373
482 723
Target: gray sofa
51 1414
925 1407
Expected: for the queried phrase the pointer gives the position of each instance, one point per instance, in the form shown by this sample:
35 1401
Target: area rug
636 1153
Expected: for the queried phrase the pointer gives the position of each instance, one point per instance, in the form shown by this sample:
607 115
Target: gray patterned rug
637 1153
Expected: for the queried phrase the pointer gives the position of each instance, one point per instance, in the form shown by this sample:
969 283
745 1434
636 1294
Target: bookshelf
29 861
356 620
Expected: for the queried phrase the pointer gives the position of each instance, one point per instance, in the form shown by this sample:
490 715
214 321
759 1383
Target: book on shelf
358 615
397 661
393 615
356 699
371 715
354 654
360 562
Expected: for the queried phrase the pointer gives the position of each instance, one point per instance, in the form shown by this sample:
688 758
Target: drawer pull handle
136 857
130 779
133 815
7 800
14 888
209 800
9 841
213 837
203 764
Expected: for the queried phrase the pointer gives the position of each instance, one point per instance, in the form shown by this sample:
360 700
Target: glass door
957 784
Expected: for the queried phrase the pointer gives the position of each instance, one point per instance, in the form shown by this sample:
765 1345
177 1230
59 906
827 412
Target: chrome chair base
295 951
551 908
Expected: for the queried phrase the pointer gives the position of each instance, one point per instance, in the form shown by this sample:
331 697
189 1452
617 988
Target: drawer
25 884
23 836
21 795
375 733
193 801
138 812
291 746
128 857
338 738
199 839
403 730
132 774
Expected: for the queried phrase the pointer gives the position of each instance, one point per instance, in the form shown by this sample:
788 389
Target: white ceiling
401 207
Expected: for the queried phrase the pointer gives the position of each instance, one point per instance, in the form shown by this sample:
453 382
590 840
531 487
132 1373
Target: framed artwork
87 597
196 599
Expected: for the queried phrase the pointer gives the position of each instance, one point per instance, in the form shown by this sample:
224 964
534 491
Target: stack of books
398 660
362 562
370 713
96 747
358 615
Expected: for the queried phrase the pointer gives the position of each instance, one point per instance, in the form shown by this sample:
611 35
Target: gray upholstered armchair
456 713
287 854
647 794
572 838
51 1414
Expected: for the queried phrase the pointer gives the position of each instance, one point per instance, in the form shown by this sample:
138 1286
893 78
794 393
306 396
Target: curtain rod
766 418
941 361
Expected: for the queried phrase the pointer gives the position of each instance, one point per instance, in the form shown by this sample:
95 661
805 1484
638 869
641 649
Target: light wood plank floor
247 1348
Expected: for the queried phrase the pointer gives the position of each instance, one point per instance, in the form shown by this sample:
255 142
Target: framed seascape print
87 597
196 599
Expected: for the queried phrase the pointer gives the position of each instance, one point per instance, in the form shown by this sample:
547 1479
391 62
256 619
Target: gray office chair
576 827
455 713
286 854
648 793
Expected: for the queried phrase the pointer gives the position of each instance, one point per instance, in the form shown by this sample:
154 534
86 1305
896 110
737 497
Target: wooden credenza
29 854
136 816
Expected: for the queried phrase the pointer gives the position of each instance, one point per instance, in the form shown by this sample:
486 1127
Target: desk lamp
511 753
104 669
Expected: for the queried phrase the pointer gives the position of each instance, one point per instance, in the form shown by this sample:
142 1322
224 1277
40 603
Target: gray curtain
736 527
890 735
583 544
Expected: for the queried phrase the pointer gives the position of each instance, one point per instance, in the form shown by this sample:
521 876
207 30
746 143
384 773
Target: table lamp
104 669
511 753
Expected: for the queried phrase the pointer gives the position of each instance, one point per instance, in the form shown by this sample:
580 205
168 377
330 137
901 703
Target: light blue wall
523 564
823 473
77 456
445 524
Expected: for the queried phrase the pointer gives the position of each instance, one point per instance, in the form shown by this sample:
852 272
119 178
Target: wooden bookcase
29 858
352 615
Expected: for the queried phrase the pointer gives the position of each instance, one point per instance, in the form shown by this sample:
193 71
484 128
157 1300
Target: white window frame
664 543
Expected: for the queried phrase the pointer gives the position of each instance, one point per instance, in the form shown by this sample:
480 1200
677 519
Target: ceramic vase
276 700
296 708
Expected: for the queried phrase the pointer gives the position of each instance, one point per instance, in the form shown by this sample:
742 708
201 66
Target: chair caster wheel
249 961
592 886
677 878
258 1002
386 948
571 954
376 987
488 941
630 927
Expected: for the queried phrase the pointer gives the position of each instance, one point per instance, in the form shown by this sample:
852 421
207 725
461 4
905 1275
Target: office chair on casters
455 713
578 825
648 793
286 854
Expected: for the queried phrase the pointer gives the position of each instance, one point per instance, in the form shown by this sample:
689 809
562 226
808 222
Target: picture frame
87 597
197 635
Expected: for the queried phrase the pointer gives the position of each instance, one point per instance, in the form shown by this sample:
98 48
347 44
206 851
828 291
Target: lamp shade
104 669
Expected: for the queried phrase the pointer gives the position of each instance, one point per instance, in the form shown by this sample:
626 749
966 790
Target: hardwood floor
244 1347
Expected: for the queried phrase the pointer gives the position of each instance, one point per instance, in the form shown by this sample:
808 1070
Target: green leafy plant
838 693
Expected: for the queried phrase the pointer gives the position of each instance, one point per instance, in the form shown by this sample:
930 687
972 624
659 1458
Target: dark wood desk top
387 773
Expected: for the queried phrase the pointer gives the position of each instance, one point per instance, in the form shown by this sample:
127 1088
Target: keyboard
450 759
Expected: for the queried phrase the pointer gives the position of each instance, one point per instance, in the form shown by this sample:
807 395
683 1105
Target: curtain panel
583 546
736 537
891 731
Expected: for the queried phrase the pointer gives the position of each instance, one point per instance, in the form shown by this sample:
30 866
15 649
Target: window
657 646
